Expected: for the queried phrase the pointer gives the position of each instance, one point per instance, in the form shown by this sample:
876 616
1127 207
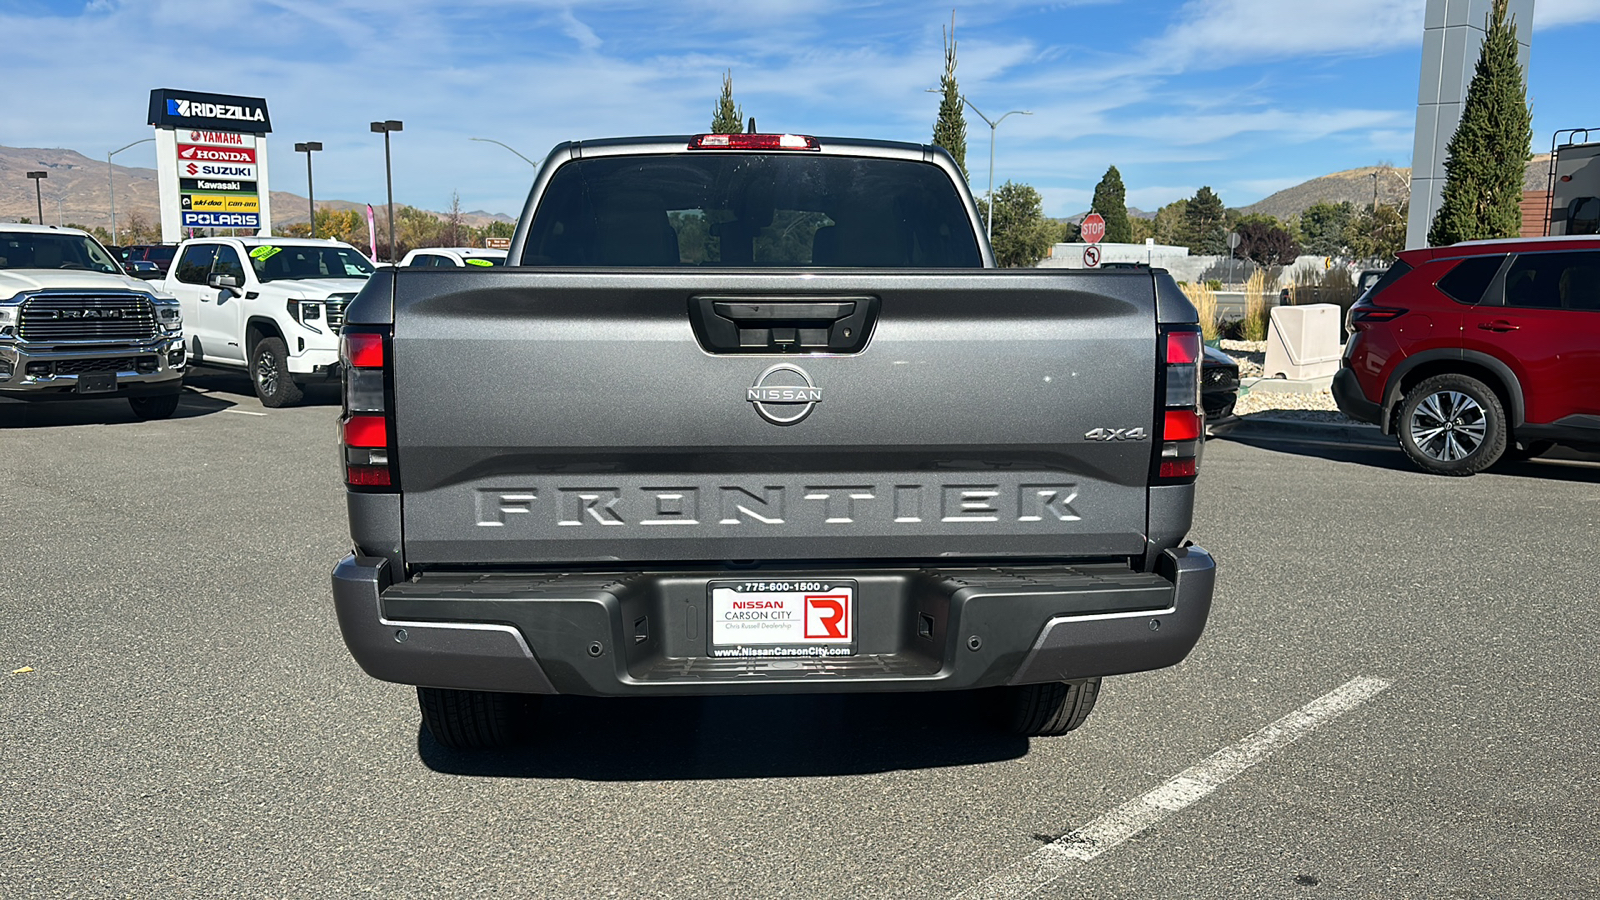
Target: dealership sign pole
211 161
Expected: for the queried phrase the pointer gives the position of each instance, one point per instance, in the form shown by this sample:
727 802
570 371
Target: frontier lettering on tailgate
777 506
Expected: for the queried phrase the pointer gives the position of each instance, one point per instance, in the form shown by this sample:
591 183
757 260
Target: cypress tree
1111 202
1203 219
727 118
950 129
1484 165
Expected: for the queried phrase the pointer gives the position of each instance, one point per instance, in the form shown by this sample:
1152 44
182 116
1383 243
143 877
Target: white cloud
1214 34
583 34
1555 13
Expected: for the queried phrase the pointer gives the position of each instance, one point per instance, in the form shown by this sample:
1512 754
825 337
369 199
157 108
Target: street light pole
311 192
508 147
385 129
112 183
993 126
38 193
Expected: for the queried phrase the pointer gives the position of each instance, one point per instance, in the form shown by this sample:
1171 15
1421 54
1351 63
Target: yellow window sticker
477 262
265 252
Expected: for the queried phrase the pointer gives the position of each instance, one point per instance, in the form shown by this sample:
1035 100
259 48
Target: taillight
753 142
366 428
1179 425
1364 313
1376 314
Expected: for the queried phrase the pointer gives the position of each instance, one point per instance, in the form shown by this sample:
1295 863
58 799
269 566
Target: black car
1219 390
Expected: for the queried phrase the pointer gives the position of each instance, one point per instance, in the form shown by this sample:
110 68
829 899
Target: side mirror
224 283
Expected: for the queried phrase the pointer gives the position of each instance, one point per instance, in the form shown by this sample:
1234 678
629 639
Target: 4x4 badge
784 394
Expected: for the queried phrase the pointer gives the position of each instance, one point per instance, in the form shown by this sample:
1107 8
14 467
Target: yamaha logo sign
784 394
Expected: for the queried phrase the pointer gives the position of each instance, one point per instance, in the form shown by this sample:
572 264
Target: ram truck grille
87 317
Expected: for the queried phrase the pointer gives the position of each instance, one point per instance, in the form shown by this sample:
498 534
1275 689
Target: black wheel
1041 710
160 407
1530 450
1452 425
269 372
475 720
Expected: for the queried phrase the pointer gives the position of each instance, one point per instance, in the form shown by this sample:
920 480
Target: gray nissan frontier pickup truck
758 414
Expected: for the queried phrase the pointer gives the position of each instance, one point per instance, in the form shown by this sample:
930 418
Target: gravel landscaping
1315 406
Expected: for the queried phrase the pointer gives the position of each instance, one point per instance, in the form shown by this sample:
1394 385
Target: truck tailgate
566 416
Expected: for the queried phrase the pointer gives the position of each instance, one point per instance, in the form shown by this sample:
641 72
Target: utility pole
386 128
993 125
508 147
311 192
112 183
38 193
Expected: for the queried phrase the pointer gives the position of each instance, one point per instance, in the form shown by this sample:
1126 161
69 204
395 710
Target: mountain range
85 193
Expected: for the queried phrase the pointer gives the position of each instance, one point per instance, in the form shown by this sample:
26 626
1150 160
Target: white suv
454 256
271 306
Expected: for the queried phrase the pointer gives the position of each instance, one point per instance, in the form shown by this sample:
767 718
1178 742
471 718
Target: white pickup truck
74 326
269 305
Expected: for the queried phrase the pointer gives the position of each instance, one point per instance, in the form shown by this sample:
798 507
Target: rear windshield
751 209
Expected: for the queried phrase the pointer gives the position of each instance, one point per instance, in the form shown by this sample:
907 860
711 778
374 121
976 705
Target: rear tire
1044 710
269 374
159 407
1452 425
475 720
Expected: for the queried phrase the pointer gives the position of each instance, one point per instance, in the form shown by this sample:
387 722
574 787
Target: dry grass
1205 302
1256 308
1335 285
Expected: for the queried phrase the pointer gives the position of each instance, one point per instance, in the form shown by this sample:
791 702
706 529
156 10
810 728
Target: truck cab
74 326
271 306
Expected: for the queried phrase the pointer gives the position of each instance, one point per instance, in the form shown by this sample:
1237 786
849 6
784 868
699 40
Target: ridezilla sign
211 155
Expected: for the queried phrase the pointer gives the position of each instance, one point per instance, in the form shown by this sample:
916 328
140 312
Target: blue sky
1248 96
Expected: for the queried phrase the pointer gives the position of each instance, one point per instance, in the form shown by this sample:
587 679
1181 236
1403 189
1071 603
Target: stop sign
1093 228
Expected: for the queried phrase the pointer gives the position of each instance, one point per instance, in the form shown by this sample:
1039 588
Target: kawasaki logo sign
191 110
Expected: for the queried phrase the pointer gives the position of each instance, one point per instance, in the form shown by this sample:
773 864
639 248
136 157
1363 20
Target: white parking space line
1058 858
244 412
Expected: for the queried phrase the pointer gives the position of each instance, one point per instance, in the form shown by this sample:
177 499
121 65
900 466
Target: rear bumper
1347 394
645 634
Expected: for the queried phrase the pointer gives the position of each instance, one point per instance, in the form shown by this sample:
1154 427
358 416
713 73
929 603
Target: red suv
1479 350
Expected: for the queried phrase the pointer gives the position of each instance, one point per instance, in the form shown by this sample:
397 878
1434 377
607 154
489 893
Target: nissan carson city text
758 414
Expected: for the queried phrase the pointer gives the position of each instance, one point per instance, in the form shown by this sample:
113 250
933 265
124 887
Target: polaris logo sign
190 109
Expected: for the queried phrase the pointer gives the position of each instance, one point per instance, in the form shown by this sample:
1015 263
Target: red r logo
826 616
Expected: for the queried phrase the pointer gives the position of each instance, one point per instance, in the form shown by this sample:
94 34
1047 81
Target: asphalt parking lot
181 719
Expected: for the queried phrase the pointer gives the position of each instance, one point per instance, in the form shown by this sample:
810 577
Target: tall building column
1452 37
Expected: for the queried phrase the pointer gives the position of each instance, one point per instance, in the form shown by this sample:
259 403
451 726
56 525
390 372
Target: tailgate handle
829 311
782 324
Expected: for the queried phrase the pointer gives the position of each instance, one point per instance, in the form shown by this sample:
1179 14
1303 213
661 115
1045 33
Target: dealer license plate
783 618
98 383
